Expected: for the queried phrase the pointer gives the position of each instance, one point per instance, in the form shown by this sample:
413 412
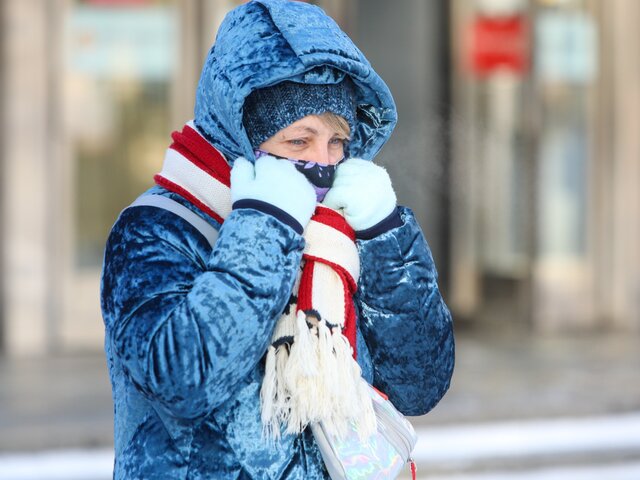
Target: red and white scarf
311 374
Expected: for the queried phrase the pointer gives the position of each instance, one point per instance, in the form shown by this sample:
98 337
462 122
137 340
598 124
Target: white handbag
382 456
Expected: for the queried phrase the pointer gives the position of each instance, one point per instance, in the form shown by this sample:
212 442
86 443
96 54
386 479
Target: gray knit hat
269 110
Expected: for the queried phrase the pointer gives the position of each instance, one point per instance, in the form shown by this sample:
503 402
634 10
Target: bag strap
166 203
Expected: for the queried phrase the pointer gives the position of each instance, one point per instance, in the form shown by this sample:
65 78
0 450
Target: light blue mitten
275 182
363 190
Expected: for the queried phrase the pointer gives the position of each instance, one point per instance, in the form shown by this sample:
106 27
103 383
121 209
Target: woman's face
310 139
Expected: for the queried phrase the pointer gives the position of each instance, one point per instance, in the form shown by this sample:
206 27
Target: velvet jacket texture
187 326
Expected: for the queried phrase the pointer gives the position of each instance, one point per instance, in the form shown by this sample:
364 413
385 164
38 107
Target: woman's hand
275 182
363 190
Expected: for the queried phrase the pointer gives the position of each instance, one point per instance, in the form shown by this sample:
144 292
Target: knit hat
269 110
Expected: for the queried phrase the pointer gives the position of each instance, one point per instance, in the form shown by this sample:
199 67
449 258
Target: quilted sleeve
404 320
187 325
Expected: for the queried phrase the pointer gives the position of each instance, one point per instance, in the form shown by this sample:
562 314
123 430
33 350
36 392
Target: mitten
363 190
276 183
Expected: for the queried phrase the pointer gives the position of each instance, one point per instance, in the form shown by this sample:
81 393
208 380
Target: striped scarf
311 373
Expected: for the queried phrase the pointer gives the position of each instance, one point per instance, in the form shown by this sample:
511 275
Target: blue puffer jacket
187 326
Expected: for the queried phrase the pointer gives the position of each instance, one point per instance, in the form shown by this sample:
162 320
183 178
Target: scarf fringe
315 379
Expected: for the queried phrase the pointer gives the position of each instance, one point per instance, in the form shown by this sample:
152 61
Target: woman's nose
327 155
322 155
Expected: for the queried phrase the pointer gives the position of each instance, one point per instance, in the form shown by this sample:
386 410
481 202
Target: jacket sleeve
405 323
187 326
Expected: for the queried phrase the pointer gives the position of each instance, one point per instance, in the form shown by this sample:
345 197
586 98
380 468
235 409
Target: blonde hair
337 123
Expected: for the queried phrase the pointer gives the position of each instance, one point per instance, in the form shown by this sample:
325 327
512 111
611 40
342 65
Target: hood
264 42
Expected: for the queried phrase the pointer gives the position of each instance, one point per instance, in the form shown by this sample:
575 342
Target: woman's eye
297 142
337 141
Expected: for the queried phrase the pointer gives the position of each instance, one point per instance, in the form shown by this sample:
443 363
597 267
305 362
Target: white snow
452 446
58 465
468 443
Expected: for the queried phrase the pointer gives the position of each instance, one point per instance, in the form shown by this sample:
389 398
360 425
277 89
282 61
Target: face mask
320 176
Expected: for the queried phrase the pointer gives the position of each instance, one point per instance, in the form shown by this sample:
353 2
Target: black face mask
320 176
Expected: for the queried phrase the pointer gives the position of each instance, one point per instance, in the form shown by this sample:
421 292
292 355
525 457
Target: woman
219 352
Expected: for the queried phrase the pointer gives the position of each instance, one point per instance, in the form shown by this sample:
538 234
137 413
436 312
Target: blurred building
517 147
546 158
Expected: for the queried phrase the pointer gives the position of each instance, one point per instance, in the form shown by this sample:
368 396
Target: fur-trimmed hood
264 42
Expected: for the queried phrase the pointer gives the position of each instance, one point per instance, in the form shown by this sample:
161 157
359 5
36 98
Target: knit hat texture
269 110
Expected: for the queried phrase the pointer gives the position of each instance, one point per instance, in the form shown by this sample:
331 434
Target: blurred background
517 146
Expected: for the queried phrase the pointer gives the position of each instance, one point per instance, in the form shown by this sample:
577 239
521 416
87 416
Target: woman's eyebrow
307 129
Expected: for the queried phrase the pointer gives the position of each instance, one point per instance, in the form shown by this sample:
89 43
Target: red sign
499 43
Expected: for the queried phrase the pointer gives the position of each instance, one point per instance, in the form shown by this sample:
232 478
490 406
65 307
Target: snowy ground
532 438
568 449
